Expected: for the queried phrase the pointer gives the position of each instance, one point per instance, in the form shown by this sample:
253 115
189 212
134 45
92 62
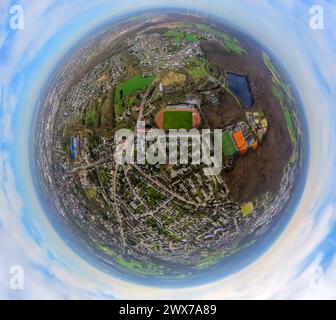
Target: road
167 190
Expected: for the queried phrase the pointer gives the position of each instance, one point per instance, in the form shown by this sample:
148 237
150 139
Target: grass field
178 120
179 36
91 118
198 68
206 28
232 45
124 90
272 69
280 89
247 209
289 123
133 265
279 95
106 110
229 147
91 194
173 78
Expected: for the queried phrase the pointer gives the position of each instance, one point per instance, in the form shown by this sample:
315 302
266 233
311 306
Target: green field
178 120
153 196
289 123
272 69
139 267
231 44
280 89
91 117
229 147
106 110
198 68
179 36
279 95
206 28
247 209
91 194
126 89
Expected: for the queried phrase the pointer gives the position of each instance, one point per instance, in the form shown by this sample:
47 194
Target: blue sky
300 264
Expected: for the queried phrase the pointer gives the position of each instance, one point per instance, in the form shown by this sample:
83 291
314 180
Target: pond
239 85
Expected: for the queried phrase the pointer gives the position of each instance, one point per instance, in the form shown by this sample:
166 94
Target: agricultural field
178 120
132 264
275 74
279 95
206 28
232 45
279 90
179 36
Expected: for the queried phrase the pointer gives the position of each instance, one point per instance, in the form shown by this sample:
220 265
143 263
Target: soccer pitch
229 147
178 120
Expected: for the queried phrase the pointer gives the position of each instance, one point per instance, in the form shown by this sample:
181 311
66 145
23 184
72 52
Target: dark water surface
240 87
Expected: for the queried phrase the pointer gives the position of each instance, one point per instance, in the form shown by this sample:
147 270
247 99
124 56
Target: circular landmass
168 221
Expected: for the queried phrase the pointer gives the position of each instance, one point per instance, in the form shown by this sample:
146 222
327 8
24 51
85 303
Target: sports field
229 147
178 120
